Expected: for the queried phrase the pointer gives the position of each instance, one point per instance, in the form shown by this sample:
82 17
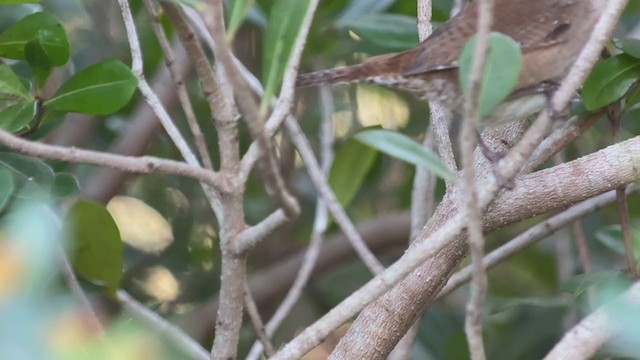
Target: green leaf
283 27
610 80
631 47
238 14
349 169
28 172
16 117
390 31
43 26
611 237
39 61
361 8
64 185
10 85
578 284
501 71
14 2
97 246
7 187
99 89
404 148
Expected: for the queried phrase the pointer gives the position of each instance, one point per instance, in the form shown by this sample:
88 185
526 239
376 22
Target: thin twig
131 164
181 90
328 196
256 320
468 142
162 326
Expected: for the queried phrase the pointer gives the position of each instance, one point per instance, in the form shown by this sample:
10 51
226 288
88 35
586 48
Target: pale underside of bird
550 33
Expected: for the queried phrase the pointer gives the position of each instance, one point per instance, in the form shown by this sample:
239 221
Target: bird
550 33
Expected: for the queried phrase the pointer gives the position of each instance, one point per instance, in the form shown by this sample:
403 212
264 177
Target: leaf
238 14
611 237
391 31
284 24
39 61
99 89
11 86
28 171
349 170
631 47
97 246
43 26
17 116
360 8
578 284
7 186
64 185
610 80
501 71
400 146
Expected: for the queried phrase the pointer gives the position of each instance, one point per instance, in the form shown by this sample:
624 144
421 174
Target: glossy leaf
28 171
403 148
99 89
390 31
501 71
64 185
7 186
350 168
360 8
631 47
39 61
283 27
10 85
42 26
97 246
238 13
610 80
17 116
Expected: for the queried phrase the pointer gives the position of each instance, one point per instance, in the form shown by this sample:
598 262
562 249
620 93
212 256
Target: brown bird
550 33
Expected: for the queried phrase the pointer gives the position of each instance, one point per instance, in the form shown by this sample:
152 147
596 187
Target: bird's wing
548 27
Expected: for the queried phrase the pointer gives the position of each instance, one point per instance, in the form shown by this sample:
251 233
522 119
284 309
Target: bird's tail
345 74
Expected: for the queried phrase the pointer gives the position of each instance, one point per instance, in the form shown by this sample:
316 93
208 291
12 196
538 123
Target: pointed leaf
360 8
11 86
610 80
97 246
391 31
350 168
39 61
283 27
501 71
28 171
402 147
99 89
64 185
46 28
16 117
238 13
